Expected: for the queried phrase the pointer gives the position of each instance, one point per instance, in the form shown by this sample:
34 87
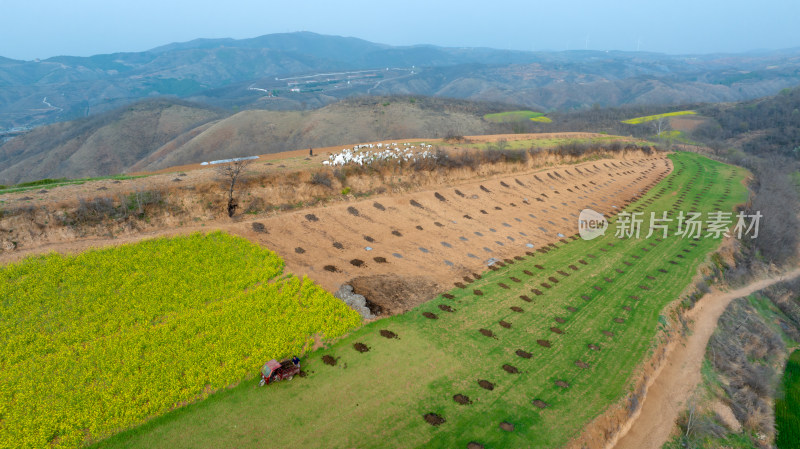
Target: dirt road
674 384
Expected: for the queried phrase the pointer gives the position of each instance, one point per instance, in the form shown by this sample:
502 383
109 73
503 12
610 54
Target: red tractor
274 371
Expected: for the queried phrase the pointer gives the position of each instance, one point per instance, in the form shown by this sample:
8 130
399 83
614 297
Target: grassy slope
650 118
378 399
512 116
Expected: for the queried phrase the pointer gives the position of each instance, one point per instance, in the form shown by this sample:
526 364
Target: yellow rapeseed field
98 342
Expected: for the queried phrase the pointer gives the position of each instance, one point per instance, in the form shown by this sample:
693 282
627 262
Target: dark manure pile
434 419
538 403
388 334
462 399
486 333
361 347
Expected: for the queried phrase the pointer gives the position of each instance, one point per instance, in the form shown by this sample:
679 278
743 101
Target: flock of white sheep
366 154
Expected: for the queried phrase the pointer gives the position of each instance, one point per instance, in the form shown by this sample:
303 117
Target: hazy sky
43 28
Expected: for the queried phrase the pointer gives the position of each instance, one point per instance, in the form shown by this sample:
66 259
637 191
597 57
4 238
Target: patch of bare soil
507 426
562 384
430 315
474 445
486 332
582 365
329 360
523 354
544 343
395 294
486 385
505 324
446 308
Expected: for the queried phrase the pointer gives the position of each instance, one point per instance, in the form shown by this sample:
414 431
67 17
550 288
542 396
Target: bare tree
660 125
231 173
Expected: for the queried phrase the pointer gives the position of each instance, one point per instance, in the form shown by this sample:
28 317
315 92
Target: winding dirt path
673 385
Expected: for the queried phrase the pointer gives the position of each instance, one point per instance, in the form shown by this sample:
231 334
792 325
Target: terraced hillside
523 355
452 231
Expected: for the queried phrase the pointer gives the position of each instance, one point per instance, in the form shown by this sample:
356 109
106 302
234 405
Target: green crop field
53 183
95 343
787 407
512 116
650 118
542 346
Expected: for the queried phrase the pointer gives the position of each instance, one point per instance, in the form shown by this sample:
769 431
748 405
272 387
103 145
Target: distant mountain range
307 70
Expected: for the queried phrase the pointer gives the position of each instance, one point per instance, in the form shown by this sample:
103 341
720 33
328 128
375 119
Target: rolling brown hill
102 145
262 132
157 134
